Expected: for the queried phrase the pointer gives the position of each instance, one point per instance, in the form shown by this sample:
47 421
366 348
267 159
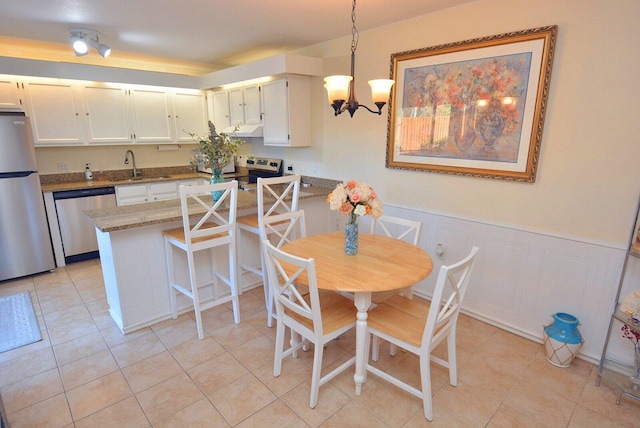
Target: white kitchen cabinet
132 194
286 107
107 118
152 115
55 112
163 191
10 95
77 112
221 117
194 182
66 113
245 106
190 114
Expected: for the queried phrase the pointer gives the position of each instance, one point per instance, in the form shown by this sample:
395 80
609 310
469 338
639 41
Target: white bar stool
276 195
215 226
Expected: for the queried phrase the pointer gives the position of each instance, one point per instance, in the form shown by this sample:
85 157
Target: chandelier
341 89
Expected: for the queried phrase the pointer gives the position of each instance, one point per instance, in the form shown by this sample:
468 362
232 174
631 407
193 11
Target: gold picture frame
472 108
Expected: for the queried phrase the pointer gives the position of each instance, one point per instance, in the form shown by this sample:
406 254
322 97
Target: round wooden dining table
381 264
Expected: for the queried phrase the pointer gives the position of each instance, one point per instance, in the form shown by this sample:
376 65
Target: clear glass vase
635 378
216 177
351 235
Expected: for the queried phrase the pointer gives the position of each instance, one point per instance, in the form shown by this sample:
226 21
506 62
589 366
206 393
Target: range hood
244 131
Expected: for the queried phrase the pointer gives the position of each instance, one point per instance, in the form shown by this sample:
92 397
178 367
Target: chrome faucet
133 161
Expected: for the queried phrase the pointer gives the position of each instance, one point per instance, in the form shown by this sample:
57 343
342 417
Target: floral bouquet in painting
354 199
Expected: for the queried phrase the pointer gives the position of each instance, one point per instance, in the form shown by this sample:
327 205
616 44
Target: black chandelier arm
379 105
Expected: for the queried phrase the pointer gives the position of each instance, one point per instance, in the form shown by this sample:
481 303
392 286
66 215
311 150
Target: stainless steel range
263 167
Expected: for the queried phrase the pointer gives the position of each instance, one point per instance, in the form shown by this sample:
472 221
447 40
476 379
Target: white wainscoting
522 277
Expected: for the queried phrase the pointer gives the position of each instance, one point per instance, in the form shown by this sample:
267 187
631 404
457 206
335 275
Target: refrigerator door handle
17 174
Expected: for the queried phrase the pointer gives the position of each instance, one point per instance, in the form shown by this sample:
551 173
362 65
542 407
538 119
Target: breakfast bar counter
132 254
132 216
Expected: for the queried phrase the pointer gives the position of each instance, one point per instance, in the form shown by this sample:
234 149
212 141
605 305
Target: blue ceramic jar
564 329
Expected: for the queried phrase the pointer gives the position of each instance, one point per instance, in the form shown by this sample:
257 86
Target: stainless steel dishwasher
79 240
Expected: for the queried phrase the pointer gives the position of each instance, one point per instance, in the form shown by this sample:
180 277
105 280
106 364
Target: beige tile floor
86 373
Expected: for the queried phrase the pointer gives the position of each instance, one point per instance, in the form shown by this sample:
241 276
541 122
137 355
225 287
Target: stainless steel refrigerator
25 243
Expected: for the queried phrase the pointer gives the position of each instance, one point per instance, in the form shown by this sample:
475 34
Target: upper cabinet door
152 115
287 112
244 105
10 95
275 121
221 119
106 112
55 113
252 105
190 111
236 106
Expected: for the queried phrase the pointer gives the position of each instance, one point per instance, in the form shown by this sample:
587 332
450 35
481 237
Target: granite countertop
57 186
150 213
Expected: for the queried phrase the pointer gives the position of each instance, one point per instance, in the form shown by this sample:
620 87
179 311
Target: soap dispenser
87 172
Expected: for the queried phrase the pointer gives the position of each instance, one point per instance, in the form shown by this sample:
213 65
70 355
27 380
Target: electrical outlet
337 223
241 160
289 167
315 167
63 167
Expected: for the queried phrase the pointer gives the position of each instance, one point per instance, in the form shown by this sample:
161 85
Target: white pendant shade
380 89
337 87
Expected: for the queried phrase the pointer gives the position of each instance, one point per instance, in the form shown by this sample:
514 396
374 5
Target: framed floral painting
473 108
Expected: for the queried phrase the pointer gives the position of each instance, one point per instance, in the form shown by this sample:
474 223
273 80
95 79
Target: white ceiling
219 33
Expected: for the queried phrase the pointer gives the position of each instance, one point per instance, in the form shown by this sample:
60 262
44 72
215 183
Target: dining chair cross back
310 315
419 328
280 229
397 227
205 226
275 196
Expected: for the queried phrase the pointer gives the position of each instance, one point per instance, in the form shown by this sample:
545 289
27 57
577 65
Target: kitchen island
132 254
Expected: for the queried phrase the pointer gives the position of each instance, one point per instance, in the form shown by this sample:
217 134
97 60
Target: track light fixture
341 89
81 38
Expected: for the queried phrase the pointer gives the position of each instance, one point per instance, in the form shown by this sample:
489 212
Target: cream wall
108 157
588 181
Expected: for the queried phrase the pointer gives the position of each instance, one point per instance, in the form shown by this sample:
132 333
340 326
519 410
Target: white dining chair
206 225
311 316
398 228
275 195
419 328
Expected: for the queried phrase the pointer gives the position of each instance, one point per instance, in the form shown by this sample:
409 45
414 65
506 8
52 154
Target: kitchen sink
145 178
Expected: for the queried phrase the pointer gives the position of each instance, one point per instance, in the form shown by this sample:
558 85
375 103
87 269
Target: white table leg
362 301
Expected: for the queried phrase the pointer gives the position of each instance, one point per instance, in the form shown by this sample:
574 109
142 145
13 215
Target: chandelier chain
355 36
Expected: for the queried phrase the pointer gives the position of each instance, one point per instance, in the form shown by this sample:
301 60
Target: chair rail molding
523 276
